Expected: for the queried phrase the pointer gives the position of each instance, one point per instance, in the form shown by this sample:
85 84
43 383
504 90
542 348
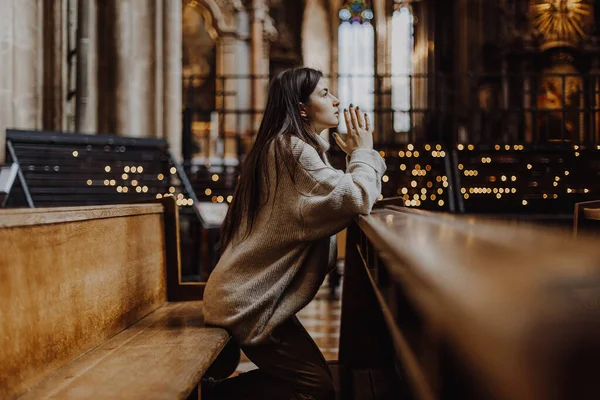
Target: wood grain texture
518 304
177 290
66 287
592 213
161 357
586 217
413 367
40 216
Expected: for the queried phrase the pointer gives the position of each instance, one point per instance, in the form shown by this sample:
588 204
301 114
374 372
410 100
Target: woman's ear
303 113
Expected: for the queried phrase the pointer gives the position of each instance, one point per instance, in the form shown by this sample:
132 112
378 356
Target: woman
279 236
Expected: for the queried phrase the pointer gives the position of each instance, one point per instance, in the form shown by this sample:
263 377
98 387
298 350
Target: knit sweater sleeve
334 196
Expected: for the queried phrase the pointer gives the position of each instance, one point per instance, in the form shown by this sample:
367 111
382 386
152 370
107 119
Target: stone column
334 23
420 86
158 62
528 99
91 123
172 53
462 54
227 88
244 100
86 97
127 76
55 60
7 42
316 41
260 81
316 37
125 70
383 84
595 84
20 52
26 64
107 77
141 88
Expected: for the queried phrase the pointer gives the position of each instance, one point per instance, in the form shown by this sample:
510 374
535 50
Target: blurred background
479 106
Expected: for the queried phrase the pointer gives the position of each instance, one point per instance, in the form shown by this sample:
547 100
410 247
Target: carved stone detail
222 14
270 31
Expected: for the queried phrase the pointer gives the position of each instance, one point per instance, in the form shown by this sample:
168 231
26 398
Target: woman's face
322 110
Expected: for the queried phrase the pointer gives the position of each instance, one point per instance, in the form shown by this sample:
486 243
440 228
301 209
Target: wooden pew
84 311
58 169
437 306
587 218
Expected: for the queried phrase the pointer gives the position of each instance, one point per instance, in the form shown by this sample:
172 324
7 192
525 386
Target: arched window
402 65
356 58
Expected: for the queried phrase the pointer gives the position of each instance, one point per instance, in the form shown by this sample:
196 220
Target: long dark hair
281 120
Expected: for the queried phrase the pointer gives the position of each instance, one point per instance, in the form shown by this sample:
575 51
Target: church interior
124 127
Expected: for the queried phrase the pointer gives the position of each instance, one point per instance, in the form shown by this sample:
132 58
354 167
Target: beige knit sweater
277 270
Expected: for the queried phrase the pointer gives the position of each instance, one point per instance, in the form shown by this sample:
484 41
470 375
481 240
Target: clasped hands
360 131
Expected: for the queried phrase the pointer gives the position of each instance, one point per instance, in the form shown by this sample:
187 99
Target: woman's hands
360 131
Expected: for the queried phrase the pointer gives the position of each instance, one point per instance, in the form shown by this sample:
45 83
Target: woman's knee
326 391
320 389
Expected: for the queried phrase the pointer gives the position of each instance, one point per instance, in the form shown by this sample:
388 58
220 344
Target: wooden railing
437 306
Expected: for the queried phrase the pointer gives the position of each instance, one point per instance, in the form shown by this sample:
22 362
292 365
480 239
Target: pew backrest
70 278
59 169
473 308
586 218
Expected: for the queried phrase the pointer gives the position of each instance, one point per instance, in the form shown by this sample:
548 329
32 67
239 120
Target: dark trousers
290 366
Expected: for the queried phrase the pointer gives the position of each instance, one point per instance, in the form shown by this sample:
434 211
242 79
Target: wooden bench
454 307
84 310
58 169
537 181
587 218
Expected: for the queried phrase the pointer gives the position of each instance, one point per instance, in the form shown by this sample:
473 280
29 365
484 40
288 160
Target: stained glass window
356 58
356 11
402 66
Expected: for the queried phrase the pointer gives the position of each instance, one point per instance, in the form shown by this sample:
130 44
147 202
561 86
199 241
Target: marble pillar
172 56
